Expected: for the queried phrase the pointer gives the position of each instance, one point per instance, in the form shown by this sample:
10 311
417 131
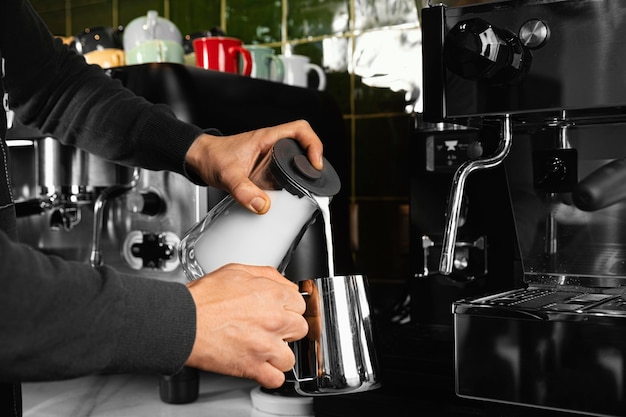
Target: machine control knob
477 50
534 33
150 250
148 203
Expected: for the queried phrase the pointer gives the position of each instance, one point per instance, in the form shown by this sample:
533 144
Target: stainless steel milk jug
338 354
230 233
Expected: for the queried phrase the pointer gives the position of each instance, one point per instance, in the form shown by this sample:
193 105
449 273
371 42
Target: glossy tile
46 6
389 66
381 162
131 10
381 254
84 16
370 14
253 21
87 3
317 17
194 15
56 22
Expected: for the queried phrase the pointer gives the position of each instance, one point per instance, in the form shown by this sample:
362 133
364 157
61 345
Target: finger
250 196
297 328
269 376
260 271
282 358
301 131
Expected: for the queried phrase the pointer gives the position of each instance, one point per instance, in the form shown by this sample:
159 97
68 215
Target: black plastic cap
291 166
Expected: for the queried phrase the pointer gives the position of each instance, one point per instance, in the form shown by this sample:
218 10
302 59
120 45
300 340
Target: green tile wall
376 119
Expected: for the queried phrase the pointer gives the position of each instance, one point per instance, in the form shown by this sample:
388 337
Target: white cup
297 68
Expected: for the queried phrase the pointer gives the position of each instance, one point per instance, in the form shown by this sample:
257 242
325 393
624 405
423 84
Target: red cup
222 54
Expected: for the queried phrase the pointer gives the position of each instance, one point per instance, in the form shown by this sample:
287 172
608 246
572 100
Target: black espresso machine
533 92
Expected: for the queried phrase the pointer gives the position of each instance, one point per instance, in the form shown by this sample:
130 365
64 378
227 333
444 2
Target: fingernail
320 162
257 204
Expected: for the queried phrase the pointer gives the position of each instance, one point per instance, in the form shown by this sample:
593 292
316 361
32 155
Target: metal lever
453 211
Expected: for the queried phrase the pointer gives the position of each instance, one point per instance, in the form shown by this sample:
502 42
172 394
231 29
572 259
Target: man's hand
245 314
226 161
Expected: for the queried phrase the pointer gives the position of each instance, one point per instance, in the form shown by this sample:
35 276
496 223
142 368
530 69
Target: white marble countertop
136 396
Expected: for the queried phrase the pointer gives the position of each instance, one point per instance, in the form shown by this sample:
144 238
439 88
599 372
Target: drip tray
543 346
557 300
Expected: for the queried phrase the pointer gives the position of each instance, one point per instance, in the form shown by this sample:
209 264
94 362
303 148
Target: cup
150 27
265 64
190 37
221 53
97 38
155 50
338 354
106 58
297 69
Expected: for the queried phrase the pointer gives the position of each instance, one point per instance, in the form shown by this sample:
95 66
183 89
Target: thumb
252 197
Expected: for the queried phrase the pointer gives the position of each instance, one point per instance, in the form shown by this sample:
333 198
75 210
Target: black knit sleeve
65 319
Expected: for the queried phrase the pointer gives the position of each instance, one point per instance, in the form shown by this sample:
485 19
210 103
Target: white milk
324 207
240 236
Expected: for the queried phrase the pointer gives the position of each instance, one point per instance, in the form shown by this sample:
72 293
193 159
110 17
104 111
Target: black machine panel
524 57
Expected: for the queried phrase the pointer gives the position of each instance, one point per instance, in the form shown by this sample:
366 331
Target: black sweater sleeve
62 319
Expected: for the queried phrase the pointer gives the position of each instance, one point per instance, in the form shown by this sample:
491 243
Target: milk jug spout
230 233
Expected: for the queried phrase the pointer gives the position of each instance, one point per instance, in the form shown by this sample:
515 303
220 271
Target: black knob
477 50
602 188
152 203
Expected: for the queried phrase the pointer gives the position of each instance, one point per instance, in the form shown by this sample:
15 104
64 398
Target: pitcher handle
296 378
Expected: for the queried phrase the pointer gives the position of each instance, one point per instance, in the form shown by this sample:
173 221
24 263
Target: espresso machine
83 208
524 121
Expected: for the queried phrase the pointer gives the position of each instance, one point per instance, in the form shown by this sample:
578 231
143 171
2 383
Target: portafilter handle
453 211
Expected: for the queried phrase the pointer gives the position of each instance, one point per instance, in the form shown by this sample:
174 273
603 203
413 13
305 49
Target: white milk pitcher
230 233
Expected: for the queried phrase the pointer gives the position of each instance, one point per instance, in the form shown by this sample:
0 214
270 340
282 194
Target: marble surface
136 396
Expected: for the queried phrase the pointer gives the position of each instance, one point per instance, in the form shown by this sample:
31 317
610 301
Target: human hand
245 314
226 161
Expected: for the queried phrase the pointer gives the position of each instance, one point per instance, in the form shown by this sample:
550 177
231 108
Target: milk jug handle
293 370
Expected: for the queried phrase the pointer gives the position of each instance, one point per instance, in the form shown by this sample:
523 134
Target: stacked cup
100 45
152 38
266 65
297 70
222 53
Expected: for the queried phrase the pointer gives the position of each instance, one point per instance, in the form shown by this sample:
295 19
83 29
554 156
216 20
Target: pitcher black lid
291 165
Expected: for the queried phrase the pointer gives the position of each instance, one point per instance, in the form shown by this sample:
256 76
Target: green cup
265 64
155 50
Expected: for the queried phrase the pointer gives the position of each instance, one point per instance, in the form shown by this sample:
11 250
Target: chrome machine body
532 94
83 208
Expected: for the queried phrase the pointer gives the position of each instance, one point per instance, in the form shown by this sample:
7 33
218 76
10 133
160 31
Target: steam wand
446 264
95 259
